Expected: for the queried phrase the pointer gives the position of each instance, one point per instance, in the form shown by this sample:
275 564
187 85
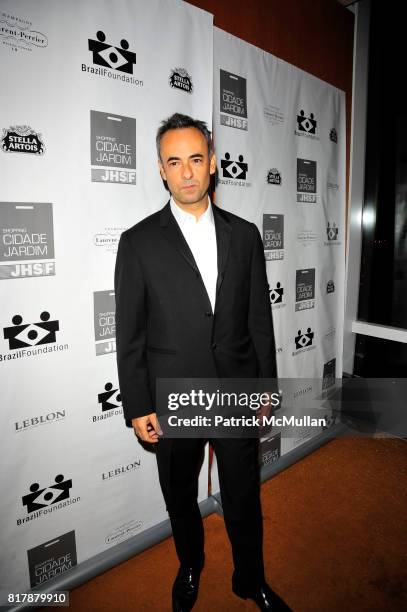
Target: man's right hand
147 427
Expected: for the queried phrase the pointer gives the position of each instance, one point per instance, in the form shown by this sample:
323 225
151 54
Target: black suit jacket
165 326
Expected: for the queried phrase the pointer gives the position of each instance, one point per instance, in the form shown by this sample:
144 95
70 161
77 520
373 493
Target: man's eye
173 163
197 160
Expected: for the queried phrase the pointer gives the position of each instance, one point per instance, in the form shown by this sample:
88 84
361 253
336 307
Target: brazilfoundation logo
104 311
42 501
332 234
22 139
110 402
31 339
26 240
19 35
273 236
113 148
304 341
304 289
180 79
306 181
52 558
111 62
274 177
276 296
233 100
234 172
306 125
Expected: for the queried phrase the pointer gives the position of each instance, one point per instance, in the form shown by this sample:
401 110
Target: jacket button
208 313
214 345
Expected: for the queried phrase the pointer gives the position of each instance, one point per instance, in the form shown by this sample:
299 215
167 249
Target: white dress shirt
201 238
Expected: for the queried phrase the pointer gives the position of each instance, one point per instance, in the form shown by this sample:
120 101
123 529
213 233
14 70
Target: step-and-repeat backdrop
85 85
280 142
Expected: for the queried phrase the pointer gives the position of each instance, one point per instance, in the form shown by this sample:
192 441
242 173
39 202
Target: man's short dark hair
177 121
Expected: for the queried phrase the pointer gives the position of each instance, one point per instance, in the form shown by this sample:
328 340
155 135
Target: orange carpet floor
335 541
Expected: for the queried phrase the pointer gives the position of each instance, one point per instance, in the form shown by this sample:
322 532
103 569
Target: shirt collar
183 217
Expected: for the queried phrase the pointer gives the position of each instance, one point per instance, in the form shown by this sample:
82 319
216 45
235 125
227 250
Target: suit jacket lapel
223 234
174 235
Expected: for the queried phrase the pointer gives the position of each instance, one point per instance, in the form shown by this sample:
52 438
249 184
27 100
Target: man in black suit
192 302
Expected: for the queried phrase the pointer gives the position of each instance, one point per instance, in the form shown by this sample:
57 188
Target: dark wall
315 35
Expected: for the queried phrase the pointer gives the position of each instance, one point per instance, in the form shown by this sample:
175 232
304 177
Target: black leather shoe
185 588
264 597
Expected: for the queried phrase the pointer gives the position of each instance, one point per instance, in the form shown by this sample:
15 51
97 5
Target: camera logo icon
105 54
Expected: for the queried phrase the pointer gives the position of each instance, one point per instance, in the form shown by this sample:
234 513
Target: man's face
185 164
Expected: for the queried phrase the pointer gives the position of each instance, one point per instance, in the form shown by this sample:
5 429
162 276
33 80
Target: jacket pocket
162 351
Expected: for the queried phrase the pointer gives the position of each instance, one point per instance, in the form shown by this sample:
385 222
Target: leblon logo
180 79
116 58
22 139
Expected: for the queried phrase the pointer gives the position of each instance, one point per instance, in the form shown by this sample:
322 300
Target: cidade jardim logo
233 100
306 180
273 236
113 148
304 289
26 240
52 558
105 322
22 139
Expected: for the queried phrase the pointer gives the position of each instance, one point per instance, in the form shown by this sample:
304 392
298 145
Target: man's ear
212 164
162 171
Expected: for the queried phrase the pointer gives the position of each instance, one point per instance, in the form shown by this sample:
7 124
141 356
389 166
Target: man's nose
187 171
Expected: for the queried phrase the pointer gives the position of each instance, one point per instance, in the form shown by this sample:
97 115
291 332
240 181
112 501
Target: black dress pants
179 461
